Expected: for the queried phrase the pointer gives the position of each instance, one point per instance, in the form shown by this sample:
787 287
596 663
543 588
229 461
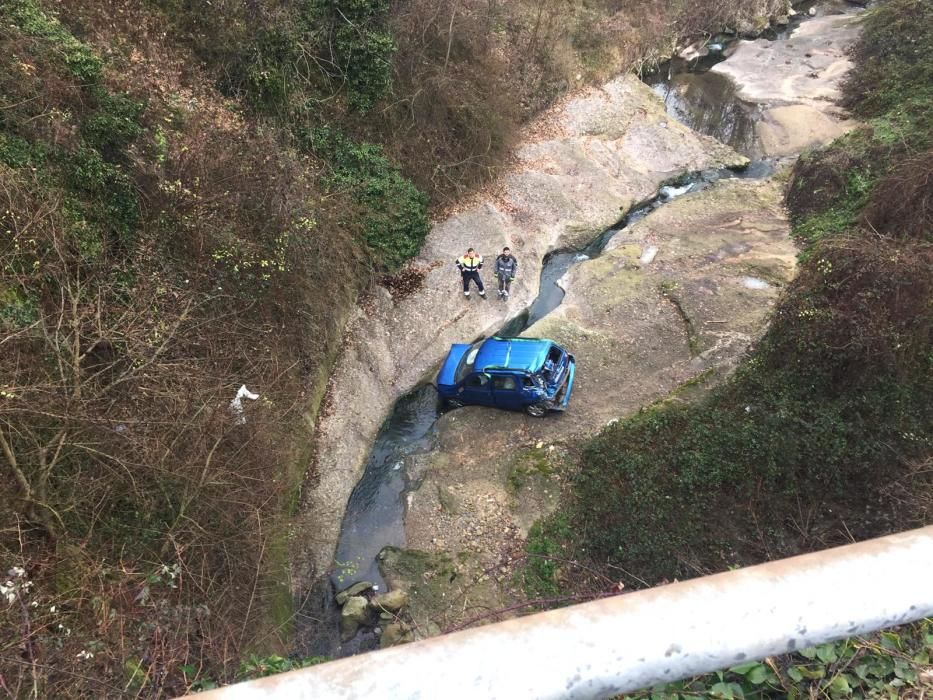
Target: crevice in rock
668 291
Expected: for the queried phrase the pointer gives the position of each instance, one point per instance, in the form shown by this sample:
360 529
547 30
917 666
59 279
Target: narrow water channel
375 515
706 100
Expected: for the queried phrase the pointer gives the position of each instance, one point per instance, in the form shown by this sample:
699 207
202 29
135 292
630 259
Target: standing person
469 266
505 269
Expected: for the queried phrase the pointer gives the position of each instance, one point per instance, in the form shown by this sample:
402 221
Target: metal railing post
633 641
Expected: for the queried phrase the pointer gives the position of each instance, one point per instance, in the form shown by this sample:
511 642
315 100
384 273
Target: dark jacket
506 266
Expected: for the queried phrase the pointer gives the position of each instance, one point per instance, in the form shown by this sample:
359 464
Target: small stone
353 615
812 12
392 602
394 634
353 590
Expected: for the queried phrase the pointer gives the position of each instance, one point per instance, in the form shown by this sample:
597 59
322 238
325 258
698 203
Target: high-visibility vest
470 264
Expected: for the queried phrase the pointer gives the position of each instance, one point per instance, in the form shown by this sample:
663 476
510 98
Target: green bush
16 152
77 57
16 310
114 125
362 47
394 211
110 200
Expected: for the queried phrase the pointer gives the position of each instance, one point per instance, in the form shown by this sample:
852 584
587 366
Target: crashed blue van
530 374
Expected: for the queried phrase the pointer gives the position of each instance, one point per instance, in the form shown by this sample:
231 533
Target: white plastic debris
647 255
754 283
236 406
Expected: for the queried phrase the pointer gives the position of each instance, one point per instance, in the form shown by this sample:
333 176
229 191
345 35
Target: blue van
530 374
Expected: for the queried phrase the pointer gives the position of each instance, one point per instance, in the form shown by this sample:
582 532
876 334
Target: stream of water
375 516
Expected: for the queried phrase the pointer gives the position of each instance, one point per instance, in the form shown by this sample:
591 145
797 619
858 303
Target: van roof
525 354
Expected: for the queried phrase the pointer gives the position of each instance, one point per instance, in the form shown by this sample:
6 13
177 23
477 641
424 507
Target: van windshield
466 364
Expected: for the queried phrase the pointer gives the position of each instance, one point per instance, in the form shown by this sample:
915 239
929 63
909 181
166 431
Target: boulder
394 634
392 602
353 614
353 590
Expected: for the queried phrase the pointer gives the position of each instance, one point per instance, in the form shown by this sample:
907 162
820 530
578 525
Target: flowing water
375 516
707 101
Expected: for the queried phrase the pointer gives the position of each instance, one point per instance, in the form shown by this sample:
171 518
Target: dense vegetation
191 197
825 433
892 664
156 252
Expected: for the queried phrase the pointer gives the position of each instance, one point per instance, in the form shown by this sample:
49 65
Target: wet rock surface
673 302
794 82
589 161
639 330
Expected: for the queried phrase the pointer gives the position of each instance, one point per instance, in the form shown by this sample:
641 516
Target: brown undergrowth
157 251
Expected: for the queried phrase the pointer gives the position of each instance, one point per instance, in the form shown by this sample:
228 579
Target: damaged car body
530 374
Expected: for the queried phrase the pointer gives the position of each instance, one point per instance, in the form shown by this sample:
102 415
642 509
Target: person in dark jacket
505 270
469 266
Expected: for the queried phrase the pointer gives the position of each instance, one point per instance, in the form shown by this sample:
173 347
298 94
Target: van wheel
536 409
454 403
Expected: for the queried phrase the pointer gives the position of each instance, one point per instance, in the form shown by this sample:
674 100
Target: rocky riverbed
582 168
674 301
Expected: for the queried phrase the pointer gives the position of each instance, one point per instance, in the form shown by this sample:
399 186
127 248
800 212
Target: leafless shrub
902 203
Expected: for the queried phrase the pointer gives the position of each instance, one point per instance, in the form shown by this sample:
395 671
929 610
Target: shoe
505 294
499 292
483 294
466 294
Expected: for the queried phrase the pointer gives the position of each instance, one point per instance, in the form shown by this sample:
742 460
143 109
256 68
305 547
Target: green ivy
114 125
32 20
362 44
17 310
111 201
394 210
888 665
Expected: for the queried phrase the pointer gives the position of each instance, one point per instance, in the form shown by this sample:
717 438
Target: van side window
527 383
477 381
503 383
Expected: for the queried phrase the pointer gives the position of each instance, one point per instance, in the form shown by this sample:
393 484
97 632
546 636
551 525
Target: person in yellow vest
469 266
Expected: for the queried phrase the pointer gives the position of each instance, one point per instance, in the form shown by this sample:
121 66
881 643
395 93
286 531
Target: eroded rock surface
796 82
718 260
675 299
591 160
